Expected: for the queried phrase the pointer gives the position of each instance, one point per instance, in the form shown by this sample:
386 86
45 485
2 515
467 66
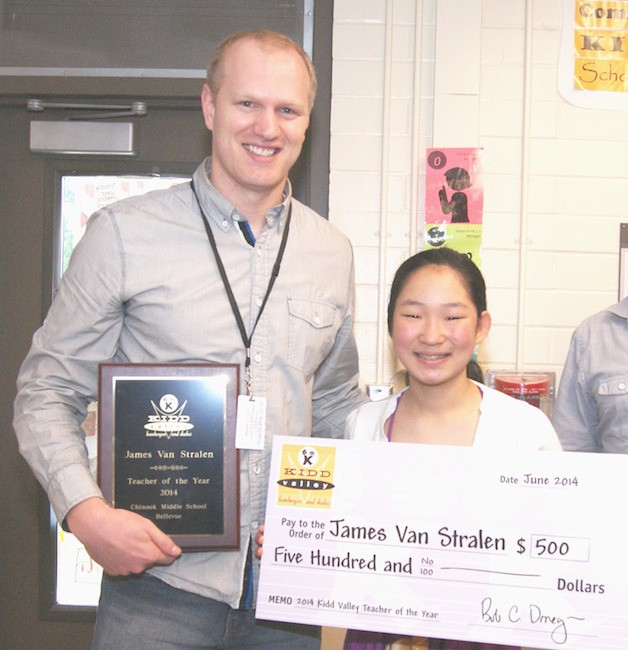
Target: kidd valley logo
306 475
168 421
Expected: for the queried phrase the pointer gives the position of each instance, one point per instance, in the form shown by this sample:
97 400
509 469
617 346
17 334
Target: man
144 286
591 409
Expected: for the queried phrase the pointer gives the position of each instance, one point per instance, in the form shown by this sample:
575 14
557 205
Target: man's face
258 118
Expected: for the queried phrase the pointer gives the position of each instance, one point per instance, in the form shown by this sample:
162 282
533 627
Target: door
169 140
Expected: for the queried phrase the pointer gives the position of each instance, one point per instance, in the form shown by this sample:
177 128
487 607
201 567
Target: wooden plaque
166 449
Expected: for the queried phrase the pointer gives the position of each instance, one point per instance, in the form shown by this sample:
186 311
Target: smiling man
228 269
257 103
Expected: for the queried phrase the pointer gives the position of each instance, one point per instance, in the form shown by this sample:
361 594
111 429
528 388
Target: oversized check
527 549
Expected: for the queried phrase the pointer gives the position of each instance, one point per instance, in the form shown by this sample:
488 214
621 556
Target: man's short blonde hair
263 37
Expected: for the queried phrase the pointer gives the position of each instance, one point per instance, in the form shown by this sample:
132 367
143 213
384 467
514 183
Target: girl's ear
484 325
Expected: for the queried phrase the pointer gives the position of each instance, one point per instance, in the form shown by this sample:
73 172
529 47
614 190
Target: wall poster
593 64
454 200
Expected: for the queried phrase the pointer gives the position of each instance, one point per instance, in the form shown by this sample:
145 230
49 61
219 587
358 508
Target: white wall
413 74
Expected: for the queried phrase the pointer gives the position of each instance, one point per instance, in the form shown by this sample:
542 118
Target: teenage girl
436 316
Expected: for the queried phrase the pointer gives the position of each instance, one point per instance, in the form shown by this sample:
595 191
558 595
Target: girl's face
436 326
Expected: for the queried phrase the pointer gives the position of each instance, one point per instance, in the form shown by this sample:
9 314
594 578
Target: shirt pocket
313 327
613 400
617 385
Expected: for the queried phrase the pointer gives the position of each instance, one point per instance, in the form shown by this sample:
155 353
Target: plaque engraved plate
167 449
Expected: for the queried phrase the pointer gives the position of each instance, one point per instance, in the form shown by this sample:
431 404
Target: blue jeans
144 613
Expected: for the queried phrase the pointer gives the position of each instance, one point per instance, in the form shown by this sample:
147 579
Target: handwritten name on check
524 549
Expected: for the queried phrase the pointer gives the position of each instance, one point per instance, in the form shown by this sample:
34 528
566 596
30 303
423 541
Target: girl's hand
259 538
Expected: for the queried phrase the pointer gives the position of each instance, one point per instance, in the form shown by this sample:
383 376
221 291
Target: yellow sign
601 14
306 474
592 74
601 46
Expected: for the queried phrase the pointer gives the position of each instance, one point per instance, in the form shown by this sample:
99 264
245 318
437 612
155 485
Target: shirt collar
620 309
220 209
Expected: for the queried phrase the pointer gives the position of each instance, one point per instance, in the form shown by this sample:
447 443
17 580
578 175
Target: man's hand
121 541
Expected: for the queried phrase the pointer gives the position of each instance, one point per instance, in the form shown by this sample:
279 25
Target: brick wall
413 74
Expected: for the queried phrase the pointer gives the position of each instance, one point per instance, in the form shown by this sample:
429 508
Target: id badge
251 422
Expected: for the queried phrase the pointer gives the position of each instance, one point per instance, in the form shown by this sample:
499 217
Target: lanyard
246 339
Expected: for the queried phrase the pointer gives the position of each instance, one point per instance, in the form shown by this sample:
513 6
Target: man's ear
207 104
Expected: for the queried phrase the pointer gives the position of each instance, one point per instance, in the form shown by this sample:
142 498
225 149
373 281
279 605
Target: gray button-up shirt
143 287
591 409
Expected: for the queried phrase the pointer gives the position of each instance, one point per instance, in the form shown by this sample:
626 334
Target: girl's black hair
462 264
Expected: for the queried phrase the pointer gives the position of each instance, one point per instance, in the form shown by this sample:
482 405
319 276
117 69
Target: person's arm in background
575 415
